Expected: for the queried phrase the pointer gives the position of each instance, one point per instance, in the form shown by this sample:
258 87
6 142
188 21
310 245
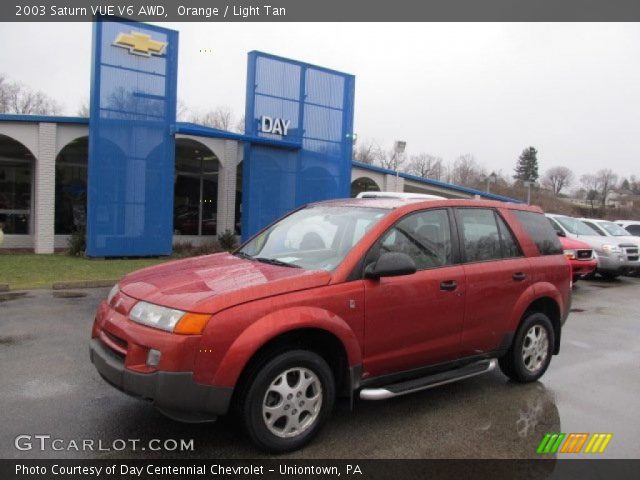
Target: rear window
540 231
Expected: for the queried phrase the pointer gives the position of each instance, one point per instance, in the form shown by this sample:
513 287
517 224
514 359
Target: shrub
77 242
227 240
187 249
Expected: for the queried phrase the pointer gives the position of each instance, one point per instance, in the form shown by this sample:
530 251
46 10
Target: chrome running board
430 381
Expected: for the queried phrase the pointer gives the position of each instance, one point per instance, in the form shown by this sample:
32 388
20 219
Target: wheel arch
550 307
304 327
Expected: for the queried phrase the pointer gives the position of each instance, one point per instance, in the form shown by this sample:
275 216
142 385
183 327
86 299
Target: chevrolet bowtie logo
140 44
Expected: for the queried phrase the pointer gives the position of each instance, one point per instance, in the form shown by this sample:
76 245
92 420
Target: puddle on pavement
14 339
68 294
5 297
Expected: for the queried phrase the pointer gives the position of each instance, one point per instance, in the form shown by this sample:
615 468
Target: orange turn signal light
192 323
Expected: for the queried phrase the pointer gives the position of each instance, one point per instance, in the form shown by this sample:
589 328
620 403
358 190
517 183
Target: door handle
448 285
519 276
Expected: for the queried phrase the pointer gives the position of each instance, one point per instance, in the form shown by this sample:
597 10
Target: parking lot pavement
48 386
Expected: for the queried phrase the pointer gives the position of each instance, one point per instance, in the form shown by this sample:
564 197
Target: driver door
415 320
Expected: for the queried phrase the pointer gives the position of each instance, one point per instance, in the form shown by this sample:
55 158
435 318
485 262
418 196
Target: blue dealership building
139 181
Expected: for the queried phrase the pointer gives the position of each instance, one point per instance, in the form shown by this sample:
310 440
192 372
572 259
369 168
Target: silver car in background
614 259
630 245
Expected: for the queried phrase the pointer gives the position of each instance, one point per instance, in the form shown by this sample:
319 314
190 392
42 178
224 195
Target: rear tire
530 353
288 401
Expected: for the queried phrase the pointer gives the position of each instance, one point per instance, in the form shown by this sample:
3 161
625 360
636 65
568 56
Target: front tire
530 354
288 401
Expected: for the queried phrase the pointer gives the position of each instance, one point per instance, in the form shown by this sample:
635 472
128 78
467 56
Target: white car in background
614 259
631 226
400 195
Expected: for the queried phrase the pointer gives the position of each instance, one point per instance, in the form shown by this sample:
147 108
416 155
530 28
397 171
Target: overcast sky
570 90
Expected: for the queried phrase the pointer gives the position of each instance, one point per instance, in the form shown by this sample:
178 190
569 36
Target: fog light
153 358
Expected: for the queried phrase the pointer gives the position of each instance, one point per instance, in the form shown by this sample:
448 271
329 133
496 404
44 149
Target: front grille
115 344
117 340
631 251
584 254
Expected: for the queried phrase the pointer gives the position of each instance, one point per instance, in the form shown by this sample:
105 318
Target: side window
510 247
424 236
541 232
597 228
480 234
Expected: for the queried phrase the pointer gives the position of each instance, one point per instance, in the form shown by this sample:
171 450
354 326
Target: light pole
529 184
398 149
492 178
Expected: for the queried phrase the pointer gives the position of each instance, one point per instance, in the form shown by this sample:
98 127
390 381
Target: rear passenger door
496 273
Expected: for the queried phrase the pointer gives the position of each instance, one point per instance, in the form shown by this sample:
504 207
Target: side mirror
561 233
391 264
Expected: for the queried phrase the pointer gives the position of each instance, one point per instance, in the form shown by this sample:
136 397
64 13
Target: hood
595 241
212 283
572 243
626 240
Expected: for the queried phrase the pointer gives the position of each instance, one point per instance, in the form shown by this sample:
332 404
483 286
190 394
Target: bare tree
240 125
391 159
426 166
368 152
465 170
83 109
557 178
607 181
221 118
17 98
590 185
182 111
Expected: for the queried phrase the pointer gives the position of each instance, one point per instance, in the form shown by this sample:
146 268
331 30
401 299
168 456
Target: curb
83 284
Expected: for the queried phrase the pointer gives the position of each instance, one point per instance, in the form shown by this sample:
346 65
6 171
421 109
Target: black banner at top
321 10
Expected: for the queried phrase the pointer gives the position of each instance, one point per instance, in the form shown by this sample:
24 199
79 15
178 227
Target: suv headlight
112 293
168 319
608 248
570 254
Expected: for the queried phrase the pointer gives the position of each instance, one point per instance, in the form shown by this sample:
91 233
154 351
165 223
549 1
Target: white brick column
393 183
227 187
44 189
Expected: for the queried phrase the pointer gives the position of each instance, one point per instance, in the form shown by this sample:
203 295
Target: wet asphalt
49 387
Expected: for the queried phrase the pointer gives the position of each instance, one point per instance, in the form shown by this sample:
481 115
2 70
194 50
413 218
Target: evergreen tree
527 166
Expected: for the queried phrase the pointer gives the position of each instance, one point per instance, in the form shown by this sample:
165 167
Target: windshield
613 229
575 226
315 238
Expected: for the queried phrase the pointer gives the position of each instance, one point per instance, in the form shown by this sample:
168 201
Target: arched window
16 177
71 187
363 184
195 207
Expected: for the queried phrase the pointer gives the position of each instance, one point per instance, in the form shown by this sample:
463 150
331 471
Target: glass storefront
71 187
16 176
195 206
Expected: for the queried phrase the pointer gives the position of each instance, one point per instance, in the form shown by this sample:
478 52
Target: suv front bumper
176 394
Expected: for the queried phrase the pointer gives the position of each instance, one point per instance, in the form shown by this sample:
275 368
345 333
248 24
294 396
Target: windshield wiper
243 255
273 261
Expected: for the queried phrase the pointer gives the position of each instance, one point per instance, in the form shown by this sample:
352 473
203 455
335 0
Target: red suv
369 297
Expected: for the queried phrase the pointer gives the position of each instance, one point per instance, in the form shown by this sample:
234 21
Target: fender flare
535 292
278 323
